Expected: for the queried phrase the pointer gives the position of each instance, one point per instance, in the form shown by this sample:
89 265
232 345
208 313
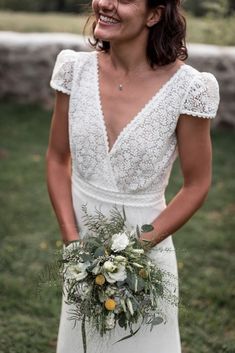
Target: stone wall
221 62
27 60
26 63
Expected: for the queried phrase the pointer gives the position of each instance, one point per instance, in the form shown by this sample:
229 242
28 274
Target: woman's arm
195 155
58 165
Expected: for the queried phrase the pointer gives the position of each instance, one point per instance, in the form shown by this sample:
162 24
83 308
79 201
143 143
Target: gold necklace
121 85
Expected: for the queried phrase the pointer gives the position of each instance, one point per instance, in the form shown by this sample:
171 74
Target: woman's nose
107 4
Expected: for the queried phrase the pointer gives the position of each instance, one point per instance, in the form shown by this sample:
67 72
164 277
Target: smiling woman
166 29
123 114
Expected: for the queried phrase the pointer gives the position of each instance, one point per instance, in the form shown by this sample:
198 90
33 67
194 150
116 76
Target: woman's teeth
108 19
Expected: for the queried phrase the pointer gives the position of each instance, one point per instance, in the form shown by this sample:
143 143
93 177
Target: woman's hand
148 240
68 242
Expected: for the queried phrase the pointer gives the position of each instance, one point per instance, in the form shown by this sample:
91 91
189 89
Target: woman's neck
128 58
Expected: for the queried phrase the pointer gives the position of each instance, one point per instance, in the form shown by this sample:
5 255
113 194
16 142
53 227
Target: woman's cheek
95 5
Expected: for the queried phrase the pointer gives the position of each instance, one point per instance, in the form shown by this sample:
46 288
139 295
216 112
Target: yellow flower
143 273
36 157
110 304
181 265
43 245
58 243
100 280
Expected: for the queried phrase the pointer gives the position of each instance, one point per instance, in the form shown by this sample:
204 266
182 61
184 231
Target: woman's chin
102 36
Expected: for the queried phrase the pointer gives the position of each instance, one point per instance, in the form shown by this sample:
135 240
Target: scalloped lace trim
198 115
59 88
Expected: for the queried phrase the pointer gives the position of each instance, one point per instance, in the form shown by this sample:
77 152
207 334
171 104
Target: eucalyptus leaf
99 251
120 283
157 320
122 320
90 268
141 284
130 280
86 257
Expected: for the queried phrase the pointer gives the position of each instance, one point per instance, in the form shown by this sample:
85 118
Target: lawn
200 30
30 237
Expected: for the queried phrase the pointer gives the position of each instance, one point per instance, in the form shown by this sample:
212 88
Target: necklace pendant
120 87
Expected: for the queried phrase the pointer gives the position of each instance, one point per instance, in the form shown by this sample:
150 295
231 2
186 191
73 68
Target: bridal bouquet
110 278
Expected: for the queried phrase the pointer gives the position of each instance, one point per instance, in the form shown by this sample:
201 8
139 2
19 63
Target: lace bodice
141 158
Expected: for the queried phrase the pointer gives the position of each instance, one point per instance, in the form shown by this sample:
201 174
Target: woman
122 115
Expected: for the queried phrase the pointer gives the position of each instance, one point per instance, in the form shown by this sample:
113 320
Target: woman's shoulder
201 93
200 78
67 65
70 55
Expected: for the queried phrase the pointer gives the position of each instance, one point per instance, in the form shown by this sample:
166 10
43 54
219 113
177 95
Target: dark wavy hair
166 40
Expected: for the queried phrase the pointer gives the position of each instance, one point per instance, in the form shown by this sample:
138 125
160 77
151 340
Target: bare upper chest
121 107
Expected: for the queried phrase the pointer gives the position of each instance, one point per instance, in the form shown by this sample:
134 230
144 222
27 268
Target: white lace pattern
141 159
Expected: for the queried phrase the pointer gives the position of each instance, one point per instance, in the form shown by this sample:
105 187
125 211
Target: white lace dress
133 173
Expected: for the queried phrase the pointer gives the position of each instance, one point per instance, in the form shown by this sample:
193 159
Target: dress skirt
140 209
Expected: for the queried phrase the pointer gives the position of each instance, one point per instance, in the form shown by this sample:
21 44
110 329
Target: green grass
200 30
209 30
30 236
41 22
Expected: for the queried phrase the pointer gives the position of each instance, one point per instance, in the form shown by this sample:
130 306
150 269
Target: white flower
120 259
119 241
77 272
110 321
110 291
119 275
109 266
138 251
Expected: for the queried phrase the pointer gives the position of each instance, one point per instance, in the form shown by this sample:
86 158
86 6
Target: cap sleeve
62 75
202 97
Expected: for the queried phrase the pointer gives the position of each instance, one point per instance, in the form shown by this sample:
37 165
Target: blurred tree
231 6
196 7
219 7
61 4
203 7
45 5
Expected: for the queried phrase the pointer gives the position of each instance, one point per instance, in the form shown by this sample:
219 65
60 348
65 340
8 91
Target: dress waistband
79 185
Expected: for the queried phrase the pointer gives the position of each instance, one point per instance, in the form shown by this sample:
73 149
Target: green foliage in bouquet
110 279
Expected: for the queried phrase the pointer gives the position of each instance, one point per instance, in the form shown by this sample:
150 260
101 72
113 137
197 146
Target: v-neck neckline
134 118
